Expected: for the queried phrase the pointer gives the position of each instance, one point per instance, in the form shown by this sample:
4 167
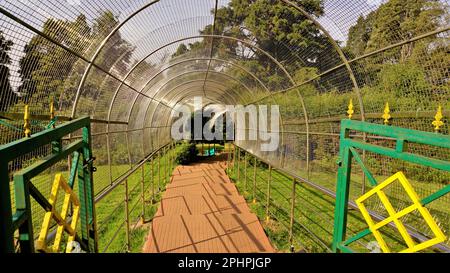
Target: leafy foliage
48 70
187 154
7 96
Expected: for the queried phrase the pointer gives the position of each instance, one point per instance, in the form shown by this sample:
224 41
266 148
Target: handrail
127 220
124 176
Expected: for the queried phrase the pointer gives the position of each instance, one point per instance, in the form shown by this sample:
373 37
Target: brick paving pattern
201 211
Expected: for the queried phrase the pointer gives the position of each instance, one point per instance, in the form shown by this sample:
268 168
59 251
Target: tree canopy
7 95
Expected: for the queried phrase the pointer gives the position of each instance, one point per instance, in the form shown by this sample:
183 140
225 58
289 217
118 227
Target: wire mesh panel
128 64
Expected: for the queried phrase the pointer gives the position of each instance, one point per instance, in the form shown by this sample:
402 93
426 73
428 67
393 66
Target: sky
339 16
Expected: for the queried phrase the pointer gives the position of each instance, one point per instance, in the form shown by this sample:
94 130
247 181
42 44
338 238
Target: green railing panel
402 137
82 168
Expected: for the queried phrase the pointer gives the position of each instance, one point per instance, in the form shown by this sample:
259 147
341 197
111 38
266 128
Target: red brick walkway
202 211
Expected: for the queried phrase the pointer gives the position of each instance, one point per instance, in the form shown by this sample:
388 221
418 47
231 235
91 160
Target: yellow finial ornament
52 109
350 109
437 123
26 124
386 116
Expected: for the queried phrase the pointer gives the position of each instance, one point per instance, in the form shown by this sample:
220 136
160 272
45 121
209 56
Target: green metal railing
278 181
136 189
131 199
81 171
292 209
150 176
348 151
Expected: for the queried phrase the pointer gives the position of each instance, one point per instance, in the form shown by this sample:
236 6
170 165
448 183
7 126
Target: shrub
188 154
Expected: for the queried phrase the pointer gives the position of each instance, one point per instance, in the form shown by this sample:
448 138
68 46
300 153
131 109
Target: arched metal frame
193 60
154 104
248 43
144 7
193 37
202 36
160 88
101 46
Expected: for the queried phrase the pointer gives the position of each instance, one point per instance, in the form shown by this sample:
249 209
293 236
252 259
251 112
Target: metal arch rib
146 115
180 75
199 59
187 38
71 51
212 46
176 87
202 71
101 46
179 40
221 95
194 59
205 36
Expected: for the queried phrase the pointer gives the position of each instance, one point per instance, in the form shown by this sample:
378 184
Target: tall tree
48 70
413 64
395 21
273 26
7 95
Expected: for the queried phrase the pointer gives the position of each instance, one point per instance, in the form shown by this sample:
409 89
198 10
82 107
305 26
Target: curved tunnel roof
131 62
128 64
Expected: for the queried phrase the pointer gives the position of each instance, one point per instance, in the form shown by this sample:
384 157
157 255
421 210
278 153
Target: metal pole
143 194
127 218
291 226
159 171
238 168
245 169
234 159
6 229
152 177
166 169
228 158
269 180
254 182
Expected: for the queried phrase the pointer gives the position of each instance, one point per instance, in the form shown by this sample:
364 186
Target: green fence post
88 172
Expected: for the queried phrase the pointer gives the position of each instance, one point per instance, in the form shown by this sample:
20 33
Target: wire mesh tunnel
129 64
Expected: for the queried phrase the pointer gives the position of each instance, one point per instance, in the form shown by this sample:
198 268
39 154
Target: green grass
314 211
110 211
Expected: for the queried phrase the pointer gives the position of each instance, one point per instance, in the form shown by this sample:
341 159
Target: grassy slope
314 211
110 211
